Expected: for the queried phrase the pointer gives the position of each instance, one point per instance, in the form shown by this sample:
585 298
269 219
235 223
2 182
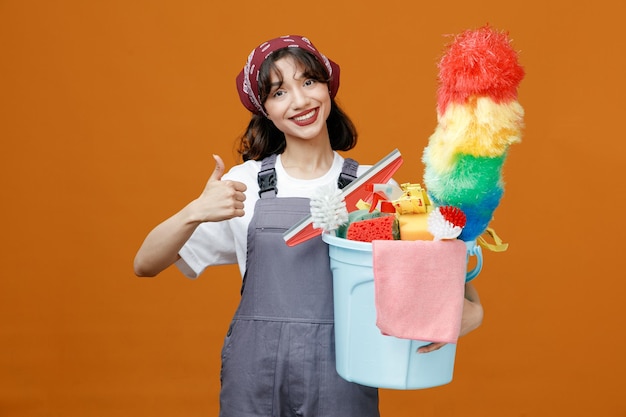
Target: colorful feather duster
478 118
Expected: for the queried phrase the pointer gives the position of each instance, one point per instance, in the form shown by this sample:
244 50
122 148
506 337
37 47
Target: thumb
219 169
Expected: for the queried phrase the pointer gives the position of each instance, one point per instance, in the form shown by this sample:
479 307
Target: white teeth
305 116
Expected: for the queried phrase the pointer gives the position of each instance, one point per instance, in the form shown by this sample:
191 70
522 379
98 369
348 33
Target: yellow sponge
414 226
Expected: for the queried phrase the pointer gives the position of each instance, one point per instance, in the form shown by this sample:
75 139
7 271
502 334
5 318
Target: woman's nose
299 98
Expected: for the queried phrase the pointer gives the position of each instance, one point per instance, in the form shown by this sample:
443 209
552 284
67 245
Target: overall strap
267 177
348 172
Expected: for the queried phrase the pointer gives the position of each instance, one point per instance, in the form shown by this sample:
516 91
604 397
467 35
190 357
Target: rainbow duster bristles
478 119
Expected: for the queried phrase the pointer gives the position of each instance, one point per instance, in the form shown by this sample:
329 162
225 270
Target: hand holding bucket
364 354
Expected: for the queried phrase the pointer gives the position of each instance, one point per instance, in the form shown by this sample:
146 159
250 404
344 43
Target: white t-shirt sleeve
225 242
196 255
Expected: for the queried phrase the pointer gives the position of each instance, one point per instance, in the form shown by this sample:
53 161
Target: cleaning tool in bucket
478 118
381 172
419 288
365 355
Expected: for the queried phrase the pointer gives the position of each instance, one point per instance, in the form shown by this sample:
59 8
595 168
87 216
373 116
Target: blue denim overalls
278 358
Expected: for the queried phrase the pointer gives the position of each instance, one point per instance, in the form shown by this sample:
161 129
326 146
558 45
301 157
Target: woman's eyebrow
297 76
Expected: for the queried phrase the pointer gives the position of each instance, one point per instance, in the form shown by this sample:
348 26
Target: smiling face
298 104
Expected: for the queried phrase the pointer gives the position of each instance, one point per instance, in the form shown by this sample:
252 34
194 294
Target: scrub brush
446 222
328 208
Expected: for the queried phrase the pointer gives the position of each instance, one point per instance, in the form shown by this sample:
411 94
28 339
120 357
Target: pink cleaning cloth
419 288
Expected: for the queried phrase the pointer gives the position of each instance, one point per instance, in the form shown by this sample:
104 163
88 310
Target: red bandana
248 78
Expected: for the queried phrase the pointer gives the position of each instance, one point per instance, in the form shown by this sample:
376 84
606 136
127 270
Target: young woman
278 355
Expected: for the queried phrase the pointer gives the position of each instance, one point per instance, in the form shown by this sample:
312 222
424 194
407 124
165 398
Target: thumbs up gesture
220 200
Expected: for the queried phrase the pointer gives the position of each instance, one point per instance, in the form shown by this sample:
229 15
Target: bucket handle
474 250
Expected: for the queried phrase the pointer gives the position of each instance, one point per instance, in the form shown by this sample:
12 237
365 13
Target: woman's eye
309 82
279 93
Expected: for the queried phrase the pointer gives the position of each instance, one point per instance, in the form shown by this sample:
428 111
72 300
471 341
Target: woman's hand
471 319
472 311
220 200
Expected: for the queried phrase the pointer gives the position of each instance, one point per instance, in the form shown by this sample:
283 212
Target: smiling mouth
305 118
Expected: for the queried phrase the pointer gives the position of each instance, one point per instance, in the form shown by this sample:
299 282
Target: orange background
110 111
